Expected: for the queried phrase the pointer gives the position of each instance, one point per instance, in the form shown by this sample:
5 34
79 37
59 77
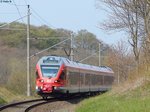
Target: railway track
41 103
34 103
37 102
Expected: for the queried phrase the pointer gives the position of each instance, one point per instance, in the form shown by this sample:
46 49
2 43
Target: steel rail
19 103
50 100
41 103
65 98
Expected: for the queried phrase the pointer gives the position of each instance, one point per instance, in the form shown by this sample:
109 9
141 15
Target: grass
2 101
7 96
136 100
115 104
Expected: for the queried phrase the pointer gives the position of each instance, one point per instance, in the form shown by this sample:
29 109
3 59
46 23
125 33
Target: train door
73 80
82 82
87 81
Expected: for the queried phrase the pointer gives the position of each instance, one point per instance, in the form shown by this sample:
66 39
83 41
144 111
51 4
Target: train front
48 75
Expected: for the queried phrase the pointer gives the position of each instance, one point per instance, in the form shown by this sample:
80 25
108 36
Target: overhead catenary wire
15 29
87 57
37 16
13 21
49 48
34 16
17 4
39 37
14 13
91 55
18 10
42 19
45 38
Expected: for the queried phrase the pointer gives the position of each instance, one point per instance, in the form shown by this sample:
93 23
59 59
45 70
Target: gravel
59 106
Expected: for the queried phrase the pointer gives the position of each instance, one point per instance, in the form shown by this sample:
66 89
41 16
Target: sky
68 14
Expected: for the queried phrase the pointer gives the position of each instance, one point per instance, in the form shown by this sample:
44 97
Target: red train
60 75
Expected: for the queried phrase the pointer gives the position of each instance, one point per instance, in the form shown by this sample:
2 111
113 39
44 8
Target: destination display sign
50 60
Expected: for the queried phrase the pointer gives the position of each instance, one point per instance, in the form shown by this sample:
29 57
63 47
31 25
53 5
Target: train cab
50 75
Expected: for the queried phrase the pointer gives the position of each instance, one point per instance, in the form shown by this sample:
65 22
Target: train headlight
56 81
55 87
44 88
41 80
36 87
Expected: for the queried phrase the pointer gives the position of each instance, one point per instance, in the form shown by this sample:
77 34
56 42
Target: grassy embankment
7 96
131 97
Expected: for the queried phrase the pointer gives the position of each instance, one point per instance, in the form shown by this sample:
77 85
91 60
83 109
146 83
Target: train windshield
49 71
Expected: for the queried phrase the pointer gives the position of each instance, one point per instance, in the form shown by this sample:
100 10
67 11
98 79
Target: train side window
62 75
37 75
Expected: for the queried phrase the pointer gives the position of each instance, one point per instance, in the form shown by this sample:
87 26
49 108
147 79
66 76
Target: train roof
55 60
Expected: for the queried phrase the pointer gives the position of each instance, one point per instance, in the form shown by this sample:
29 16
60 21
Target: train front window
49 71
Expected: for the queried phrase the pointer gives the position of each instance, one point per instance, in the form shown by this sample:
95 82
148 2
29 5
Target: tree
86 40
144 13
121 61
85 44
126 17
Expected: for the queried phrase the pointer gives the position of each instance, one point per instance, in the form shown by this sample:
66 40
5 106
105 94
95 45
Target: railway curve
39 102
